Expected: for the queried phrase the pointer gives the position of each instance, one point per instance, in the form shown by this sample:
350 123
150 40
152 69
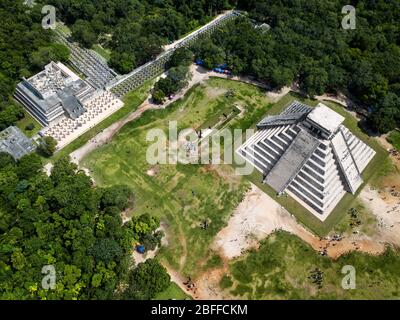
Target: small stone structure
14 142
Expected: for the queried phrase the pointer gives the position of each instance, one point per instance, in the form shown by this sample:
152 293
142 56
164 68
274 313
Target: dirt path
339 99
180 280
199 75
277 95
106 135
256 217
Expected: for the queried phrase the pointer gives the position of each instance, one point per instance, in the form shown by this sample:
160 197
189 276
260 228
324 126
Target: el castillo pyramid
310 155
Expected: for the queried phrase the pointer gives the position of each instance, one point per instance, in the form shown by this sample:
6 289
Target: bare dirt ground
139 258
259 215
277 95
256 217
387 210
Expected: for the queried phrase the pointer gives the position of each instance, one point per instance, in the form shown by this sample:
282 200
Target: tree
211 54
151 240
176 80
315 81
383 120
62 170
180 57
386 114
83 33
116 196
146 280
20 37
60 220
30 126
48 146
158 96
28 166
281 77
122 62
6 159
180 76
60 52
41 57
106 250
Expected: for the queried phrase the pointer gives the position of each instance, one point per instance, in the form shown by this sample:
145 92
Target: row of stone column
92 66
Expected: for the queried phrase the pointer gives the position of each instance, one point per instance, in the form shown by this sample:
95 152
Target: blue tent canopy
140 248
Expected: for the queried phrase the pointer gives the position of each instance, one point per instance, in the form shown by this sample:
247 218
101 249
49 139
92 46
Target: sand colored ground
259 215
256 217
387 210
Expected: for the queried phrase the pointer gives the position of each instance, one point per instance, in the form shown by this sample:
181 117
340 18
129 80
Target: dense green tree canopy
145 281
306 43
63 221
47 146
176 80
138 28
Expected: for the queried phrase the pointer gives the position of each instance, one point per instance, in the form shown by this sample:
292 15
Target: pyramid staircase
315 172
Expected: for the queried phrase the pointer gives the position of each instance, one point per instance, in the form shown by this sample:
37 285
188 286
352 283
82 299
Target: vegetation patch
178 193
28 125
75 229
173 292
394 139
285 267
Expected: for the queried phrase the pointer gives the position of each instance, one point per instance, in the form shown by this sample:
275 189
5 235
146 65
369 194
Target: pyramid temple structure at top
309 154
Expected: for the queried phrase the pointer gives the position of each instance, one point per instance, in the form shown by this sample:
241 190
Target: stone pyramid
310 155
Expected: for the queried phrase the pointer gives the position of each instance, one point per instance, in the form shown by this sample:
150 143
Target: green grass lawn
105 53
394 139
64 28
173 292
27 120
183 195
280 268
364 222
